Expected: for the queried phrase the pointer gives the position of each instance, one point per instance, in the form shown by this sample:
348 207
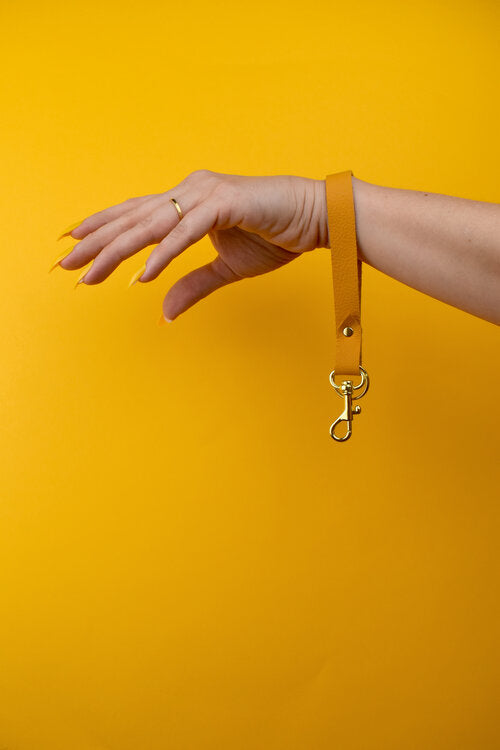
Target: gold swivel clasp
346 391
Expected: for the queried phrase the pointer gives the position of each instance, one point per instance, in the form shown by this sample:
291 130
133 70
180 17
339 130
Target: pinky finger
97 220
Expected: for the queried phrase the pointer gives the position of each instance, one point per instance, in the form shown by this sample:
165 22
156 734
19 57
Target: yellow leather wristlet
346 274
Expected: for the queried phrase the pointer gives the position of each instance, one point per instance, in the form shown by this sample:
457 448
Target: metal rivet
347 331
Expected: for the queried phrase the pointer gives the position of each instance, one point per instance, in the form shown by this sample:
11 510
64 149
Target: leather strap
346 273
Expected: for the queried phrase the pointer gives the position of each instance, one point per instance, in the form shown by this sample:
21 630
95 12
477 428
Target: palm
247 254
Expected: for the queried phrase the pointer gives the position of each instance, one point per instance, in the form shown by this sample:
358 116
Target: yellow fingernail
137 274
59 258
80 278
163 320
70 229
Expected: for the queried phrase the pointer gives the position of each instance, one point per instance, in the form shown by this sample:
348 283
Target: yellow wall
187 559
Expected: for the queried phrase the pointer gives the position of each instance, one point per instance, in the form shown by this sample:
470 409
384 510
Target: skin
444 246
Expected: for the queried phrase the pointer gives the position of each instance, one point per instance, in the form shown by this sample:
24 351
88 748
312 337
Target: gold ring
365 380
179 209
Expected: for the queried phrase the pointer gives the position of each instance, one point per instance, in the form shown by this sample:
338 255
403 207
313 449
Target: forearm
444 246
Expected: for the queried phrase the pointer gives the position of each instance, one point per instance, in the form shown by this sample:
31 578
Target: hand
256 224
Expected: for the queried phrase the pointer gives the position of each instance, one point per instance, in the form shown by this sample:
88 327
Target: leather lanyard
346 273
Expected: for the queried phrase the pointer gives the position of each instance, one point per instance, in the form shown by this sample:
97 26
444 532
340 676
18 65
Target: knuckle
223 271
181 232
113 254
225 191
149 227
145 222
91 236
200 173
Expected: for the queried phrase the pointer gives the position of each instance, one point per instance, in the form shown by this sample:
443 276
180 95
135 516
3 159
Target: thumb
196 285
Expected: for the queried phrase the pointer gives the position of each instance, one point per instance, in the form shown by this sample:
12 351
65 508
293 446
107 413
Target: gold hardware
348 412
346 391
347 331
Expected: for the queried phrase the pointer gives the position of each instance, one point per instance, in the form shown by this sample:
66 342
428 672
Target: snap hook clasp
347 414
346 391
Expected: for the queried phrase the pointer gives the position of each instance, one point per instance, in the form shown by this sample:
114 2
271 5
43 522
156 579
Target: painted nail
80 278
137 274
69 229
59 259
163 320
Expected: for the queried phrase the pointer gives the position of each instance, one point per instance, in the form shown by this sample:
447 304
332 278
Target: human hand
256 224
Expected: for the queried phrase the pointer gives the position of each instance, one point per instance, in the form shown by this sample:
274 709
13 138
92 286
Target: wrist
363 194
322 213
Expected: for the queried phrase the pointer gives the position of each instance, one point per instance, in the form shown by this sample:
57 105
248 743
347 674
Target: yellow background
188 560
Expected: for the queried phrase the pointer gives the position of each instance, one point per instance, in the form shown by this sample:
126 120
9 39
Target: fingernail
69 229
137 274
60 257
163 320
80 278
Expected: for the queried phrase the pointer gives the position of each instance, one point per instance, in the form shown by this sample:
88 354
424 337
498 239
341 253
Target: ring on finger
178 208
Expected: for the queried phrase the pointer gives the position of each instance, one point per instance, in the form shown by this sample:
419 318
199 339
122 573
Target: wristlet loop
346 274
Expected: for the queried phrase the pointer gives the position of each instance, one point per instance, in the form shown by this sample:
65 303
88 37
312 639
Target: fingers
94 242
191 228
143 232
112 235
196 285
95 221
